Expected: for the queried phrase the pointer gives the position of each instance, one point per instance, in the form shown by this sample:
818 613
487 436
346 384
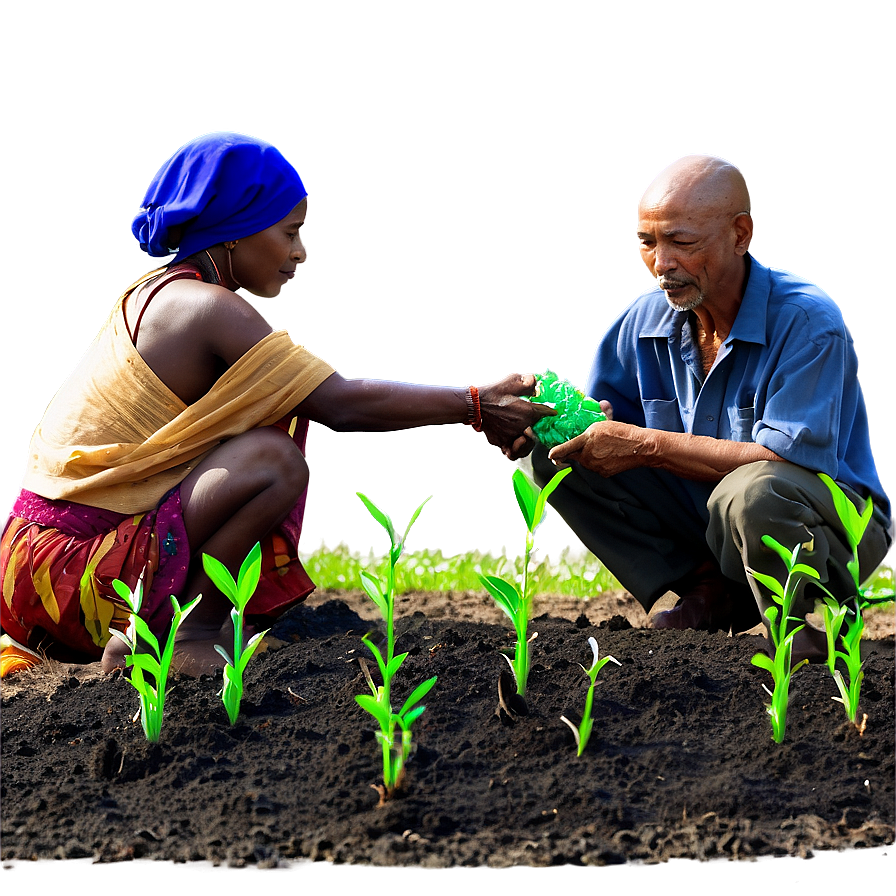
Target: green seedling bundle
394 733
517 602
142 664
574 412
238 593
582 731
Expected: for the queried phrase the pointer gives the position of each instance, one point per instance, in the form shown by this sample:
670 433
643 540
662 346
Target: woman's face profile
264 262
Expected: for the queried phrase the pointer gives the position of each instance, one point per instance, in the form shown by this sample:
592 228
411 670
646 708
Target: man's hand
507 418
607 448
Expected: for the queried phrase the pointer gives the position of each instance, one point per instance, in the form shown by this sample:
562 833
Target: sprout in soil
517 603
583 731
781 631
141 664
574 412
835 614
238 593
394 735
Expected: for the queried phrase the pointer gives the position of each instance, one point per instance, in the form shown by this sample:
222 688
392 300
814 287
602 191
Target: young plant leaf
409 719
249 576
220 576
418 694
376 709
374 590
770 582
504 594
526 493
382 518
413 520
545 493
784 553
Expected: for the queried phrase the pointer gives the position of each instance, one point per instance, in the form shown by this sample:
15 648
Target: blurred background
473 171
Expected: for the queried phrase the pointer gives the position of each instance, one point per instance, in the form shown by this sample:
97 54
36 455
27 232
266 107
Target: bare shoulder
203 317
192 331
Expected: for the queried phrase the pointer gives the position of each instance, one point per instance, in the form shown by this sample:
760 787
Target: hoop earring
230 264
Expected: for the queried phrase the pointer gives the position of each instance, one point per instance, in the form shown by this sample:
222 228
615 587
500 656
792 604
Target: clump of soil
681 762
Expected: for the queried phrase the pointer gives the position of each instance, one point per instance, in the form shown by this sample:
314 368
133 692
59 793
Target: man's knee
759 490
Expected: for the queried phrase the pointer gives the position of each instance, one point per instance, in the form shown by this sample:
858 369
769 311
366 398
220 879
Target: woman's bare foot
114 654
194 650
195 653
197 656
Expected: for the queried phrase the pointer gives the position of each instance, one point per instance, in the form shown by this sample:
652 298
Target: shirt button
710 418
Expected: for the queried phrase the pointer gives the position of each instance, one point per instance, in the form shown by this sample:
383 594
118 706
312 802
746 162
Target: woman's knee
244 467
275 456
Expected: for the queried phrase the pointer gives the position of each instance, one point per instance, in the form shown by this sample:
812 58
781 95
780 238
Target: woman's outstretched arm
379 405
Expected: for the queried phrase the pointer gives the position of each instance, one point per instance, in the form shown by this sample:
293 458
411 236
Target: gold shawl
116 437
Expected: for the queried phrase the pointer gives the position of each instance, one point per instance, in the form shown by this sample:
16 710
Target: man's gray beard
686 306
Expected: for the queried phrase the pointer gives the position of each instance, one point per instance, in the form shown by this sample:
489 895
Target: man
727 388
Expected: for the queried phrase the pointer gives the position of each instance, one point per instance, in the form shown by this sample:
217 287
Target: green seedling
142 664
574 412
781 631
238 593
517 602
835 615
394 735
854 524
582 732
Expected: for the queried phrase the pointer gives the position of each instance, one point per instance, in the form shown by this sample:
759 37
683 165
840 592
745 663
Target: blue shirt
785 378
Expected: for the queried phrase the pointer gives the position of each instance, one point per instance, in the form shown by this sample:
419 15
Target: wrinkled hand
507 418
606 448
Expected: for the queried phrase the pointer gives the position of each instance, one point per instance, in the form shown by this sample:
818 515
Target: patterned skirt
58 560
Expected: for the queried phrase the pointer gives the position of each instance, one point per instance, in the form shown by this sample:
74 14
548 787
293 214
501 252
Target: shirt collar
749 325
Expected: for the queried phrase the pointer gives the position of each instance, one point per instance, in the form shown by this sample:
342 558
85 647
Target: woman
182 431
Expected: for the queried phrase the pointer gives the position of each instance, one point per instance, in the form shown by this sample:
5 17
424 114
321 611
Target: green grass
575 575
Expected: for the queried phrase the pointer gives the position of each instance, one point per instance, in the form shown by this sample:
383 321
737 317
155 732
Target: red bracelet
474 410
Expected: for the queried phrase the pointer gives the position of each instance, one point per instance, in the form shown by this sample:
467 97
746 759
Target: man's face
691 251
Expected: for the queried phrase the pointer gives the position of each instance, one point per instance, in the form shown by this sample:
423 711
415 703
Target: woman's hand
507 418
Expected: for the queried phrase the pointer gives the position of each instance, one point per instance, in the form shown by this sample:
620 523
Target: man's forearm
700 458
612 447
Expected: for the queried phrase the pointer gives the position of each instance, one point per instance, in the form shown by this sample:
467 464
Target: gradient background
473 171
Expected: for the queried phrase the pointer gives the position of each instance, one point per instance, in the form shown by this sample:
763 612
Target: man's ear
743 230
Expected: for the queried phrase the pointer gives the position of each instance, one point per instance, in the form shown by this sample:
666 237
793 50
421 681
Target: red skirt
58 560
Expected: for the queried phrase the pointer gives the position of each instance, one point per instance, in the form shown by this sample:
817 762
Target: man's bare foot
809 644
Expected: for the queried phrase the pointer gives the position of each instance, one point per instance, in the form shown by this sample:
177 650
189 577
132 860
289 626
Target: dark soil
681 762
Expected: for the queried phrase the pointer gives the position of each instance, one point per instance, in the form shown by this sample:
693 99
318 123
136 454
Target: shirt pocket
662 414
741 421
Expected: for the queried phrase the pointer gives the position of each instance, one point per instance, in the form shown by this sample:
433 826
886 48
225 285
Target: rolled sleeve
812 389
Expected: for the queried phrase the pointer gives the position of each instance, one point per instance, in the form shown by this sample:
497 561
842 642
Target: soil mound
680 764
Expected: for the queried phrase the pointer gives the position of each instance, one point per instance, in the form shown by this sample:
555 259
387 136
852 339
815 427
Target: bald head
701 184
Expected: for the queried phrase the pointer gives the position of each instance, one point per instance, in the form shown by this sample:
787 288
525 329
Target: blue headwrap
218 187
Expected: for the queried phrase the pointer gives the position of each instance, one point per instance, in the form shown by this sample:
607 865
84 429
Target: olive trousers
651 529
